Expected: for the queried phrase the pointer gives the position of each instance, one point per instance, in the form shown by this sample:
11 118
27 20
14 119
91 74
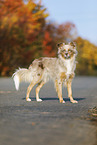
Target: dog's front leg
59 91
70 92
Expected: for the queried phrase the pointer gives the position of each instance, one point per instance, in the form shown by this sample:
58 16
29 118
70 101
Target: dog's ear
73 44
60 44
60 47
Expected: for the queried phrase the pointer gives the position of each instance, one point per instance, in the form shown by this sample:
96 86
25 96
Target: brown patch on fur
62 55
73 44
41 65
63 76
38 74
71 76
71 53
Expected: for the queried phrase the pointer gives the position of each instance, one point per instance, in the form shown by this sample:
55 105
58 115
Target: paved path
48 122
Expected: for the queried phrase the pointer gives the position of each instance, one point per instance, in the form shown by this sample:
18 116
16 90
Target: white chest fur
68 65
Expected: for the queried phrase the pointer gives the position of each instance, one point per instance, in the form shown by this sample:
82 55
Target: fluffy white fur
16 81
21 75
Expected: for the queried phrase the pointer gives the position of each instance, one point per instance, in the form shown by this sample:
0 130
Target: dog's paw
62 101
74 101
39 100
28 99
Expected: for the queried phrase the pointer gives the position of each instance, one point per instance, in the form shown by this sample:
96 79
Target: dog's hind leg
37 91
28 91
33 83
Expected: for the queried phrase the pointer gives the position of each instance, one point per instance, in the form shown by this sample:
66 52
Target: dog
60 69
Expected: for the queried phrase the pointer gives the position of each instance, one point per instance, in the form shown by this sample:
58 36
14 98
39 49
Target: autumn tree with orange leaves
20 26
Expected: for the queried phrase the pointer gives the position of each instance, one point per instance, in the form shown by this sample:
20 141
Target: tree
66 32
87 57
49 40
20 25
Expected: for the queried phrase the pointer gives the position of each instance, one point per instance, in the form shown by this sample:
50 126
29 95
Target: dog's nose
66 53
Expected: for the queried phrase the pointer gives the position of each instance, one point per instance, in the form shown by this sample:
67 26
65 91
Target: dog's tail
21 75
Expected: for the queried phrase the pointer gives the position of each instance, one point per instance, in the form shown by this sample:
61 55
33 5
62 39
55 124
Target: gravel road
48 122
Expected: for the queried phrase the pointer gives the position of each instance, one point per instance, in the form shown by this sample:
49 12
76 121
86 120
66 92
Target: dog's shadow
53 99
65 99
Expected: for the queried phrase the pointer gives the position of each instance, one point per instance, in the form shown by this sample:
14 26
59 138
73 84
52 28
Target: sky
83 13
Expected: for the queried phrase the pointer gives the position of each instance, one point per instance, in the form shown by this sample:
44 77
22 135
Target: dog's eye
63 50
69 50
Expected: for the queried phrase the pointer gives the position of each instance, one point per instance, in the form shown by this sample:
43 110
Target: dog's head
67 51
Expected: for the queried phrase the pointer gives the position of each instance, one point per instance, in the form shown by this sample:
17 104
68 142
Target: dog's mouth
67 56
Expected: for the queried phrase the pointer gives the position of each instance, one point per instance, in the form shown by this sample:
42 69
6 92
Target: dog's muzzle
67 56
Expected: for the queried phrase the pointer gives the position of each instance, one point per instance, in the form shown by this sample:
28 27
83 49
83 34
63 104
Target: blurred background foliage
26 34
